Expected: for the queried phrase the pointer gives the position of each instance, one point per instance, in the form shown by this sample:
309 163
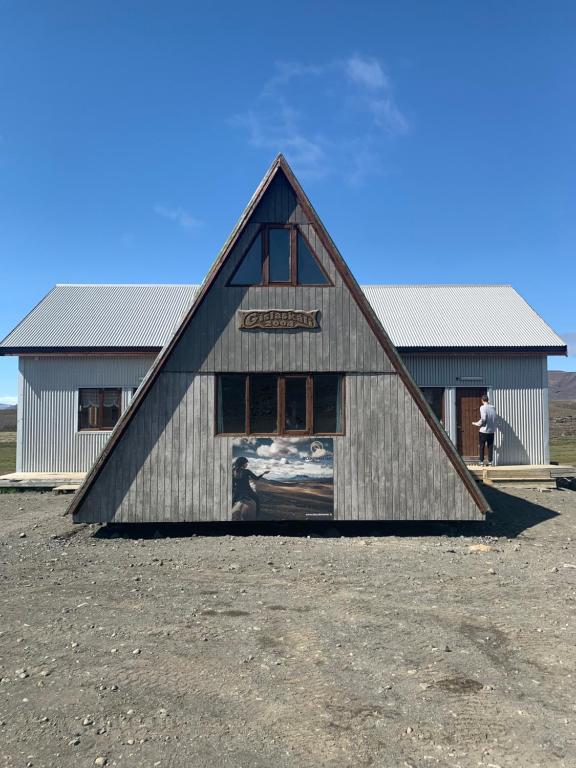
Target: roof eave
63 351
407 350
488 350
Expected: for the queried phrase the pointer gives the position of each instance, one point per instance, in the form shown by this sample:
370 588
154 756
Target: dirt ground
364 646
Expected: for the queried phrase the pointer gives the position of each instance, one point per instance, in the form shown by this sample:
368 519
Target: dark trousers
486 438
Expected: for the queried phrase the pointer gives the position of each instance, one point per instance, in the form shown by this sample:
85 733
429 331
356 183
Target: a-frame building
280 367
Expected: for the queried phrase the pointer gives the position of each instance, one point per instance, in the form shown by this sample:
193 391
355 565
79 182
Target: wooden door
468 410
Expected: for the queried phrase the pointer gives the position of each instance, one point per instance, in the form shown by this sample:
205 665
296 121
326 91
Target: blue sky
436 140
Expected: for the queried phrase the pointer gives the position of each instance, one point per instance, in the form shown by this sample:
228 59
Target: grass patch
563 450
7 457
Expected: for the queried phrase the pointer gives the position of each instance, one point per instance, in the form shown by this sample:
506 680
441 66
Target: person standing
487 424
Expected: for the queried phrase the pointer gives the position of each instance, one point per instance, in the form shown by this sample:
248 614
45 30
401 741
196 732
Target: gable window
285 404
98 409
279 255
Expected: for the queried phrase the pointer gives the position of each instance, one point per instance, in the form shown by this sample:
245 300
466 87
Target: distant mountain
8 419
4 406
562 385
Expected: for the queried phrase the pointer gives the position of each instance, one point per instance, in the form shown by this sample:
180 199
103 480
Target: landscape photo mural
282 478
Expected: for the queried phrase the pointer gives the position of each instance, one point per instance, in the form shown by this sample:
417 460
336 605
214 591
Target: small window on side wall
435 398
98 409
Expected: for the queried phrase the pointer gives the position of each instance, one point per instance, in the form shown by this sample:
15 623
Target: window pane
250 270
232 404
327 403
263 404
88 404
309 272
295 404
434 397
110 407
279 255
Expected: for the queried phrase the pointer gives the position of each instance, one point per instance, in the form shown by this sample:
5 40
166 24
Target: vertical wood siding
171 468
48 416
168 465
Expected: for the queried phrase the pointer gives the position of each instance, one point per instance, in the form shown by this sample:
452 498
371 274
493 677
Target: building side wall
170 467
48 439
518 388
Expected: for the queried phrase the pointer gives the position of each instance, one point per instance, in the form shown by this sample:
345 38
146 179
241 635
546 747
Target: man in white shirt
487 424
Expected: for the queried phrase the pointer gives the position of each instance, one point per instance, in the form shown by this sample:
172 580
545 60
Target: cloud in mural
277 449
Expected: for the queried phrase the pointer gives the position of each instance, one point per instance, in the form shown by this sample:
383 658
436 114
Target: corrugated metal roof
103 316
459 316
128 316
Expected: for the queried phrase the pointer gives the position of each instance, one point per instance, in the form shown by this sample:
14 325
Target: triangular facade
364 444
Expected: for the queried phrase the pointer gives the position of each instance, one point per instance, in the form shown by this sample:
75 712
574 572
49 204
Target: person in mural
245 504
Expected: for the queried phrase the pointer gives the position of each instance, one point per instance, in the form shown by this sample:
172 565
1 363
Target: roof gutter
153 351
76 351
516 351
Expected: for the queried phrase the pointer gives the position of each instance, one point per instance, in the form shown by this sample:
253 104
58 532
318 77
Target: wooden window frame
281 430
100 390
265 260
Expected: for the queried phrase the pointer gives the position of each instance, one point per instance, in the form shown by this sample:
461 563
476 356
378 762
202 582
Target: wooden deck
524 475
42 481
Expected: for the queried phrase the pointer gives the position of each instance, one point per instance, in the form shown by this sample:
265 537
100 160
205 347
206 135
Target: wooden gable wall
169 466
213 341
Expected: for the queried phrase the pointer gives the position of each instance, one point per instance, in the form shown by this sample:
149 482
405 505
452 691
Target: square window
98 409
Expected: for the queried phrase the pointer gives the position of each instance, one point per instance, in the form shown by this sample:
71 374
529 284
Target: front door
467 411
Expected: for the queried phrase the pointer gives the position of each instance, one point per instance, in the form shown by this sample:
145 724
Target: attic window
279 255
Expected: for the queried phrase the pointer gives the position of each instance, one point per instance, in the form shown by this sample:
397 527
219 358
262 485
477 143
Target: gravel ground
363 646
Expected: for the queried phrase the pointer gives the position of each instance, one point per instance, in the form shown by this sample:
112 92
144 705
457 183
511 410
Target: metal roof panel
415 316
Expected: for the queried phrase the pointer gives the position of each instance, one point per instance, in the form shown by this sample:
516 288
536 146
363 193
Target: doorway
467 411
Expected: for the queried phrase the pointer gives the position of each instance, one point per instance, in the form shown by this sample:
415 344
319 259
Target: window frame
281 430
442 417
100 412
265 281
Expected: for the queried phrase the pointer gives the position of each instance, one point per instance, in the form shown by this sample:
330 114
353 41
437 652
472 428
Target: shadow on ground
511 516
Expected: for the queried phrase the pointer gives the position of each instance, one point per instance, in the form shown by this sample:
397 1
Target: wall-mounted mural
282 478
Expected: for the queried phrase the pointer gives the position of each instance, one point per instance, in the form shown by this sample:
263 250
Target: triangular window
309 272
279 255
249 270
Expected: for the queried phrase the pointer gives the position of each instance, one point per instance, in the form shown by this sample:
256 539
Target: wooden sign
277 319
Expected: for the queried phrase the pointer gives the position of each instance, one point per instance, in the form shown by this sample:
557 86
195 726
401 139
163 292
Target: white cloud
8 400
328 119
178 215
366 72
